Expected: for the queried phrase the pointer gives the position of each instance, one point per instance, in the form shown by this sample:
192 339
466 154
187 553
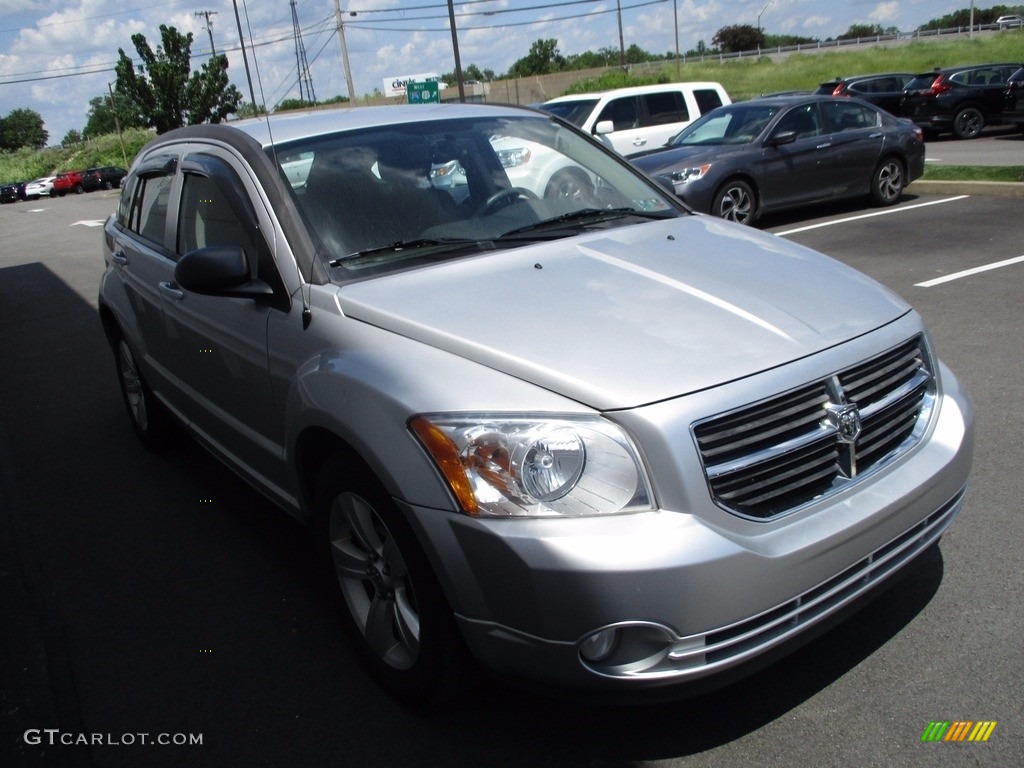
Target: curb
980 188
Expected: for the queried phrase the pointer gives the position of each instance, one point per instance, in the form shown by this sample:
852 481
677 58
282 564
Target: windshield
734 124
576 111
404 195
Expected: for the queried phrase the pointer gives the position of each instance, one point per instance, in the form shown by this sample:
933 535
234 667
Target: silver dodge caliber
538 415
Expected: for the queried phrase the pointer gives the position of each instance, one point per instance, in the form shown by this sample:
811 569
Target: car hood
632 315
662 160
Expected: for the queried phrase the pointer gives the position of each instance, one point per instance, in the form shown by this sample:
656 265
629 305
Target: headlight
518 466
510 158
689 174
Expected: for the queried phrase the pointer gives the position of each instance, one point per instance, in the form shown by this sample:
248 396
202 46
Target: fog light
599 646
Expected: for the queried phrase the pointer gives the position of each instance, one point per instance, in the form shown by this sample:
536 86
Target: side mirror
219 270
784 137
603 127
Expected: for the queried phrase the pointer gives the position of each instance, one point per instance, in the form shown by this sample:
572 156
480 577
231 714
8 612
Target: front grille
767 459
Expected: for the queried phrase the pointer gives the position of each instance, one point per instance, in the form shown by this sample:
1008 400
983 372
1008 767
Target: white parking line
872 215
968 272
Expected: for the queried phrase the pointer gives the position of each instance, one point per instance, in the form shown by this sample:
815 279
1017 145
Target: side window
146 203
707 99
207 218
622 112
124 203
846 116
803 121
665 108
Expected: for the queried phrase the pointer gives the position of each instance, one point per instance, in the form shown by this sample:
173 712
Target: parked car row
855 136
77 182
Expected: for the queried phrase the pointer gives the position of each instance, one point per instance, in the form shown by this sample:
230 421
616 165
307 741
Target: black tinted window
147 206
622 112
707 99
665 108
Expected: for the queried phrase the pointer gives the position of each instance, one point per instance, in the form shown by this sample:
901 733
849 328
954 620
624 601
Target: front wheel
888 182
570 184
149 419
392 604
968 123
735 201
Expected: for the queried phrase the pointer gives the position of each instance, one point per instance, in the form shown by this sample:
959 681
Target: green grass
26 164
973 173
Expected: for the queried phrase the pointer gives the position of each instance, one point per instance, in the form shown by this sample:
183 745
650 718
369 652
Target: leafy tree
22 128
738 37
167 95
100 120
246 109
71 137
543 59
782 41
962 18
287 105
472 72
867 30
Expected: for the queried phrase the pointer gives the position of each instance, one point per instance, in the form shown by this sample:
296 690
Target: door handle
171 291
639 142
118 257
876 135
826 145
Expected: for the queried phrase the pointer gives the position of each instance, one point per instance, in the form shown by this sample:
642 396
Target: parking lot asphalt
158 594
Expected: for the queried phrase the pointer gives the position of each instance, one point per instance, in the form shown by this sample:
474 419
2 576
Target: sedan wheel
567 183
888 182
393 605
968 123
735 201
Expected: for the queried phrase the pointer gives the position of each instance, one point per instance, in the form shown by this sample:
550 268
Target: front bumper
690 594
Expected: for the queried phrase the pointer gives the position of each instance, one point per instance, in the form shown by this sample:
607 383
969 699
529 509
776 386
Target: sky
55 55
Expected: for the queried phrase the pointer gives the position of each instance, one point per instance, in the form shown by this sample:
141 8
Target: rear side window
665 108
622 112
847 116
143 206
708 99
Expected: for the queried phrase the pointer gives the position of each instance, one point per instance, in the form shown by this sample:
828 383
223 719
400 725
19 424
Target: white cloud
884 12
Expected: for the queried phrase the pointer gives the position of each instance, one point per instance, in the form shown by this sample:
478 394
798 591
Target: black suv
1013 99
959 99
884 90
105 177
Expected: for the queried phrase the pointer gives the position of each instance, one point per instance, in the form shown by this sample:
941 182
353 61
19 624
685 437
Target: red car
69 181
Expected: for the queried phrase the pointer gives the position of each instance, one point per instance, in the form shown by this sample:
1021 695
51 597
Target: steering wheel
508 195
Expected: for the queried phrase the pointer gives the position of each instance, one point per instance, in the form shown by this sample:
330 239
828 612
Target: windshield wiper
428 243
584 216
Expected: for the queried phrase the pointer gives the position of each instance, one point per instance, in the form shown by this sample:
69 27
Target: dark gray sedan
741 160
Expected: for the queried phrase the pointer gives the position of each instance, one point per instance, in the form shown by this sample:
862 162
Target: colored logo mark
958 730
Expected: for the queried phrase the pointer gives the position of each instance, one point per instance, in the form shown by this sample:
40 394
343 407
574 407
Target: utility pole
301 65
209 27
344 53
622 44
245 59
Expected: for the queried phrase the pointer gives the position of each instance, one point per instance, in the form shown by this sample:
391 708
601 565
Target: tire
968 123
391 603
888 181
735 201
79 189
568 184
149 419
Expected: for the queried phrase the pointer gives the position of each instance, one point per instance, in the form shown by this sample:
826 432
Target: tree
857 31
22 128
167 95
738 37
102 111
71 137
543 59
